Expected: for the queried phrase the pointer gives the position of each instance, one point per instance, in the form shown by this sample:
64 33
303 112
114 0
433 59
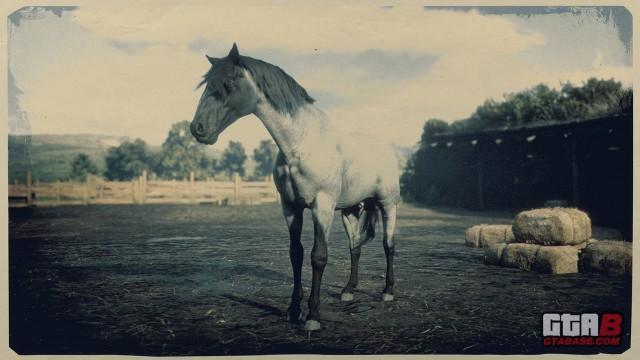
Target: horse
317 168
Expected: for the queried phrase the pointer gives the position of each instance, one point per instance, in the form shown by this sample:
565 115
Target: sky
379 70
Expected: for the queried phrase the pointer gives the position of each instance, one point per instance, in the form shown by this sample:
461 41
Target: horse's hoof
387 297
346 297
312 325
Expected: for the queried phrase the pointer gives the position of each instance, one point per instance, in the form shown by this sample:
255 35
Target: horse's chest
298 185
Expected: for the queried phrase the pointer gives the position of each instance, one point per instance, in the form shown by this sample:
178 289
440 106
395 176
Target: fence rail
96 190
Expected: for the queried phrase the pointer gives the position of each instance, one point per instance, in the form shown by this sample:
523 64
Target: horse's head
228 95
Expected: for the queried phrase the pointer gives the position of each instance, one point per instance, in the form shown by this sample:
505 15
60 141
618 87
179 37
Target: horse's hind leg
388 224
350 222
293 217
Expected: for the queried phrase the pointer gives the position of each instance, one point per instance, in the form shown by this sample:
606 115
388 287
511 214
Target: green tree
596 97
233 158
81 166
422 180
126 161
265 157
181 154
626 101
433 127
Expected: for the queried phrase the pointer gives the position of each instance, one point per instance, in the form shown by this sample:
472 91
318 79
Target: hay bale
556 260
472 236
580 246
481 235
492 234
607 257
557 226
521 256
493 253
583 245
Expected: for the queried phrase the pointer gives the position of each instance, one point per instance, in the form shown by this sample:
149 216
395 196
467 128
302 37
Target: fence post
143 186
236 188
192 186
29 198
210 184
58 191
134 197
138 188
85 191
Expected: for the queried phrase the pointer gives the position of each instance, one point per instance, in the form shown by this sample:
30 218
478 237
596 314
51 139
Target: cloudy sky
131 70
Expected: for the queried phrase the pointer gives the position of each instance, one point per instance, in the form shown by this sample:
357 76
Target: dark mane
280 89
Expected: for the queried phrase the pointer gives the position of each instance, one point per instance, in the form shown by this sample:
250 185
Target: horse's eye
227 88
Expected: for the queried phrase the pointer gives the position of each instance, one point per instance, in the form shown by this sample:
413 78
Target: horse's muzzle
198 130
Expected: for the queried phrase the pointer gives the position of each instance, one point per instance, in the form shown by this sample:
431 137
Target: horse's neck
294 134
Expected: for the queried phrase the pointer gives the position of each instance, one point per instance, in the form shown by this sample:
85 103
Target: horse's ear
234 54
212 60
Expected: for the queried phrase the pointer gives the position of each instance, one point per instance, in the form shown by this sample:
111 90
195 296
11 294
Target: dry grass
195 280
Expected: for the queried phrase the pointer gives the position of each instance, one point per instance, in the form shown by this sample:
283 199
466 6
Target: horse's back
368 168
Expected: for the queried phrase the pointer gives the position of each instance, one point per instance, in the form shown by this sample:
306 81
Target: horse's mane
280 89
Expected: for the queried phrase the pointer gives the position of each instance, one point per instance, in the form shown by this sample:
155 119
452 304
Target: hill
49 156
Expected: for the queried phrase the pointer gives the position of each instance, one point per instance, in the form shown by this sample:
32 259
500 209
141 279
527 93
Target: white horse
317 167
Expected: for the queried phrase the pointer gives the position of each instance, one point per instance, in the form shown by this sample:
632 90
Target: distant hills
49 157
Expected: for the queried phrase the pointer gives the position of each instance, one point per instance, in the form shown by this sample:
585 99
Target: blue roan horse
318 167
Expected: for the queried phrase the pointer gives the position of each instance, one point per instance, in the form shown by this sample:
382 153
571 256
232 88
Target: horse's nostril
199 128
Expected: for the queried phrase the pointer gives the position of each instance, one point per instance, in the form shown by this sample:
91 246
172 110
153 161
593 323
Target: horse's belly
370 178
355 189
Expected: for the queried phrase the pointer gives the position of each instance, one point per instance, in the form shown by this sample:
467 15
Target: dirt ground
207 280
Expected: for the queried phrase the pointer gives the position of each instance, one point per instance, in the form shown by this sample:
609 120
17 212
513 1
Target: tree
433 127
233 158
265 157
127 160
181 154
81 166
596 97
422 178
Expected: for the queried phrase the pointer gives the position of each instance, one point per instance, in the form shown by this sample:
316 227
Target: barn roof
529 132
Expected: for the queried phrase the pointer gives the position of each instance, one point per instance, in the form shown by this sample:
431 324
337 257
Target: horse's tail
368 221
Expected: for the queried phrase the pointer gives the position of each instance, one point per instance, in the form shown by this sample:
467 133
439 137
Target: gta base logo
581 329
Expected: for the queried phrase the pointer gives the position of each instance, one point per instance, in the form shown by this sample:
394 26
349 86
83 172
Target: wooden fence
96 190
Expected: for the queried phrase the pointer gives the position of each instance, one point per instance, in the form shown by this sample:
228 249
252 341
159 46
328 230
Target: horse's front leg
323 210
293 217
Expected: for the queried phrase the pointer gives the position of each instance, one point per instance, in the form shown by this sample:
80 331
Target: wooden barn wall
587 163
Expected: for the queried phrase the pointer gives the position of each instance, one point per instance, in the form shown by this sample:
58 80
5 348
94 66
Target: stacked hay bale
482 235
554 241
608 257
548 240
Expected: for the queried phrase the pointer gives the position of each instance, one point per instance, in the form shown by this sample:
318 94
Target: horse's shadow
266 308
331 312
